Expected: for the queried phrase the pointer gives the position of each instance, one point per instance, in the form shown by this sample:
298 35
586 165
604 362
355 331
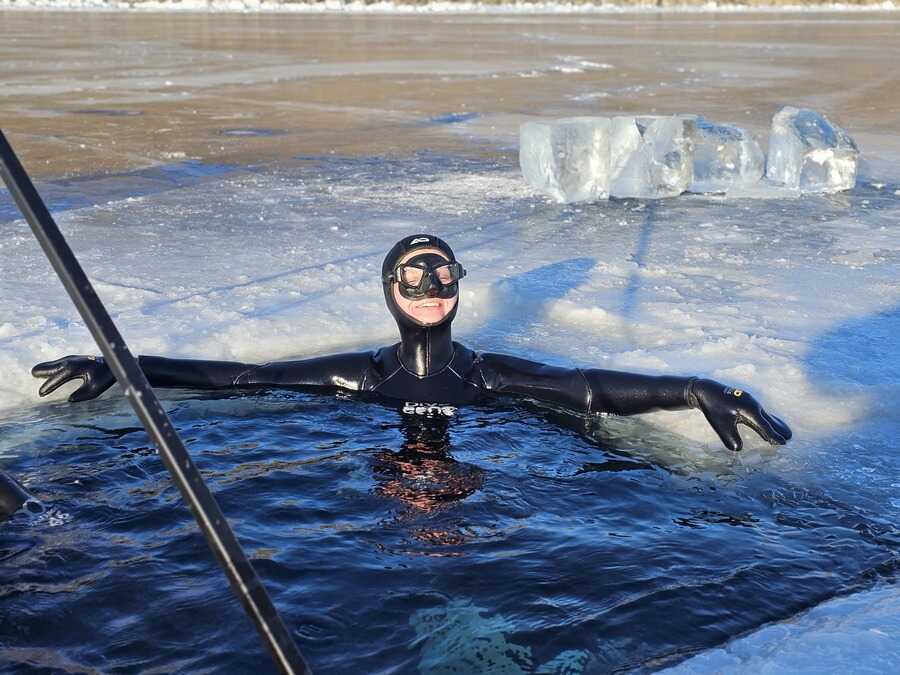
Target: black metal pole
131 378
12 496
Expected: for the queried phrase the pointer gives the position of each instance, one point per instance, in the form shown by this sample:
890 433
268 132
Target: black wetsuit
458 377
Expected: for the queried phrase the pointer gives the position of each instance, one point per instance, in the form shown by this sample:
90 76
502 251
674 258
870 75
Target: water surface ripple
513 540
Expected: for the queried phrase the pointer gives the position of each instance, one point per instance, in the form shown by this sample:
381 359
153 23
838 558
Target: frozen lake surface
231 189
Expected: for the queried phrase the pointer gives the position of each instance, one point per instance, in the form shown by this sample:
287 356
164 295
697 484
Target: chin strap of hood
424 350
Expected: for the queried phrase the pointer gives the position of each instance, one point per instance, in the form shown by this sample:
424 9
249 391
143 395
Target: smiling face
431 309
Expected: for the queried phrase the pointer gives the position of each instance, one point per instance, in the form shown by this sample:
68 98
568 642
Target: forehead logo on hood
419 240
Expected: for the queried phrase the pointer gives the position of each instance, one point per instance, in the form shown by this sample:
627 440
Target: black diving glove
725 407
95 375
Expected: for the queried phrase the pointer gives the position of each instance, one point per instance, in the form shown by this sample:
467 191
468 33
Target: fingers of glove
56 380
93 386
762 427
47 368
726 428
85 392
753 416
783 429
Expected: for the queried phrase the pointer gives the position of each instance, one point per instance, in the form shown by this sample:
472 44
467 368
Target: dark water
513 540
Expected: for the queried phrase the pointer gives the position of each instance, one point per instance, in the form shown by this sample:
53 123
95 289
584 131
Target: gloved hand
725 407
95 375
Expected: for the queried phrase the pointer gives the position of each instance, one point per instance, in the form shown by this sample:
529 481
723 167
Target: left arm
618 393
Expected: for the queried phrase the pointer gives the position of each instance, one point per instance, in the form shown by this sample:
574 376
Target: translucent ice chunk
567 159
651 157
809 152
725 156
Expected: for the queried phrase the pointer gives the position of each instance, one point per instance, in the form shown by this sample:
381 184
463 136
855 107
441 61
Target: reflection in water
424 476
430 483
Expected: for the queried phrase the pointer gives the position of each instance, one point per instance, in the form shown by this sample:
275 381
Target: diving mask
417 276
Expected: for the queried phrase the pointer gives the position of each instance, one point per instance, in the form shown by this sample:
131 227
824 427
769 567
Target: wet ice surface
817 641
574 550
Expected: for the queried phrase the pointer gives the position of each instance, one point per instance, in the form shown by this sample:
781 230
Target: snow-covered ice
855 634
725 156
567 159
687 285
651 156
809 152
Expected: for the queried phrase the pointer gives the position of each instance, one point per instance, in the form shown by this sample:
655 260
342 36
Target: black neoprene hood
392 259
423 349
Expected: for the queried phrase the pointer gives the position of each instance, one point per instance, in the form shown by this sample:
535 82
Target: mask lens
446 274
428 273
411 276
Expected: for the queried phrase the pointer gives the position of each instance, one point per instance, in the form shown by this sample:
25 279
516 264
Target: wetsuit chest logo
428 409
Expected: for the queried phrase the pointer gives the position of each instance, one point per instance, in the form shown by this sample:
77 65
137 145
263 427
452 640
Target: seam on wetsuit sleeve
690 398
590 392
235 382
479 359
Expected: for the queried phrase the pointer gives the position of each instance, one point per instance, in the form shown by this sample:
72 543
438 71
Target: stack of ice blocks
589 158
584 159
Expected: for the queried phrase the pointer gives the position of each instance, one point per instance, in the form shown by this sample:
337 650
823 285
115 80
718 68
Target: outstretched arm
341 371
608 391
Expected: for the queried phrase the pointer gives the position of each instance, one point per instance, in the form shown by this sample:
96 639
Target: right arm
339 371
607 391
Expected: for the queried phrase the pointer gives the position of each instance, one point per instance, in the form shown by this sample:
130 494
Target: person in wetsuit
427 373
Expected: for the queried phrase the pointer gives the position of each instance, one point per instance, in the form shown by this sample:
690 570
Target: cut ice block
567 159
808 152
651 157
725 156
